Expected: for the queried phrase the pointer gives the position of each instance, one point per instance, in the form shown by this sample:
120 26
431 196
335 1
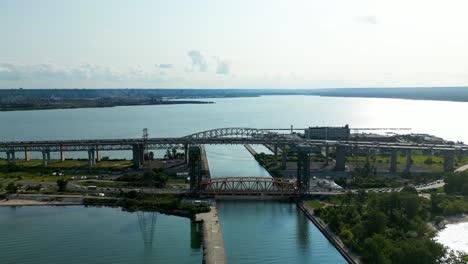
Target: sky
233 44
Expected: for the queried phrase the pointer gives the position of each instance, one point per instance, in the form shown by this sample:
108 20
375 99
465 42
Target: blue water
76 235
254 232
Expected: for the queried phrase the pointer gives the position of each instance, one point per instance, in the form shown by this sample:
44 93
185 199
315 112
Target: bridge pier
340 158
98 153
11 157
138 155
393 160
368 154
303 169
285 154
62 154
27 154
186 153
45 158
195 169
409 160
327 153
91 161
448 161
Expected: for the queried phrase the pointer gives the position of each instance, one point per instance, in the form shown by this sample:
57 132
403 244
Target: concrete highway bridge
233 135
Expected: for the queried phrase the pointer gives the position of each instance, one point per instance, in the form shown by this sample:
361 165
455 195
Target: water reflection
147 224
196 235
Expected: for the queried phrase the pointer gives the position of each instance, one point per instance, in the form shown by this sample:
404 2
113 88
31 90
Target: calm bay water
76 235
254 232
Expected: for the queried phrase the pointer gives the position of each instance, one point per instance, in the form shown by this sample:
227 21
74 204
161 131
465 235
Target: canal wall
204 160
349 256
250 149
213 239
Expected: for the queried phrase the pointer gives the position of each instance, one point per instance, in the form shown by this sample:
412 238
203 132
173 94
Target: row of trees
456 183
153 178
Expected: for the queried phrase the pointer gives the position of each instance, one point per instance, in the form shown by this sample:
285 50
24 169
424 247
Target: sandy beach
18 202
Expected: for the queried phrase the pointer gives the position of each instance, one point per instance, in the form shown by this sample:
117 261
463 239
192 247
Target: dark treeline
435 93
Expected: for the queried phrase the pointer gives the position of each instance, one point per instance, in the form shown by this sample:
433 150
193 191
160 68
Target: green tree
11 188
62 185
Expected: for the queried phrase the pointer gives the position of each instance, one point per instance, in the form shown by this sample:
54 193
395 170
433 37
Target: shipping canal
264 231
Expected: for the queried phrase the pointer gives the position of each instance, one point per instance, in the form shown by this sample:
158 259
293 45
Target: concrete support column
186 152
90 158
368 152
98 153
11 157
340 158
138 155
62 154
327 153
393 160
448 161
44 158
275 147
27 154
48 157
285 154
409 160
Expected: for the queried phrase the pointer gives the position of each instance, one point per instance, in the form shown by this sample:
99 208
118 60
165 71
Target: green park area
34 171
395 227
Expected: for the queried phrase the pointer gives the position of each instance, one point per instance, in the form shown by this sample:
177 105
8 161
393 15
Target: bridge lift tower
195 169
303 168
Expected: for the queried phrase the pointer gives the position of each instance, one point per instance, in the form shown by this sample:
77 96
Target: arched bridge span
232 132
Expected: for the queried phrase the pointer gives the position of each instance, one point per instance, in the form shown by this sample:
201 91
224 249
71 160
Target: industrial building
331 133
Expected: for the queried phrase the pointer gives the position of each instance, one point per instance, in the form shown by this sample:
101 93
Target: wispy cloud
164 66
49 71
223 66
370 19
198 61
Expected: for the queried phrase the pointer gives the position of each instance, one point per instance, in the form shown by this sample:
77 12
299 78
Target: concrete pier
138 155
409 160
11 157
212 237
448 161
186 153
98 153
340 158
62 154
393 160
285 156
45 158
91 160
27 155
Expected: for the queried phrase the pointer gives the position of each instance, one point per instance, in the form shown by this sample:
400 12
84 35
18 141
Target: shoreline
21 202
347 254
450 220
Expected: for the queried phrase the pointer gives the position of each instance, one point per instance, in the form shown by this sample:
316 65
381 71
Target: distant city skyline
233 44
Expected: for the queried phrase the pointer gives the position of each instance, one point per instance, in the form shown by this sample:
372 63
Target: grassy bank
164 203
34 171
